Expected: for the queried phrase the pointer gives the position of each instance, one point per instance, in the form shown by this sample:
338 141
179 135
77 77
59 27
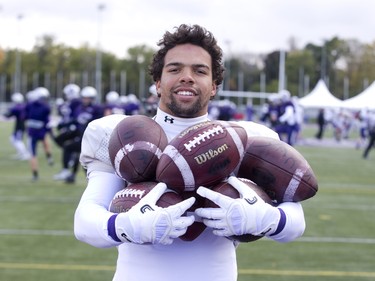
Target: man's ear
213 91
157 84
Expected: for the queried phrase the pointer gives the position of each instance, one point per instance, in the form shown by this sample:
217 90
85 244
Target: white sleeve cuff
294 223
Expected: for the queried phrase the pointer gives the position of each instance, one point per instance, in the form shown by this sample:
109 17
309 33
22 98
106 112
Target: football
279 169
202 155
197 227
132 194
135 146
226 189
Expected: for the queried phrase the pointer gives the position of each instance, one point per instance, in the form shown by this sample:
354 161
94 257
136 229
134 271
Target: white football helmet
41 92
112 97
17 98
31 96
152 90
59 101
124 100
284 95
132 98
89 92
71 91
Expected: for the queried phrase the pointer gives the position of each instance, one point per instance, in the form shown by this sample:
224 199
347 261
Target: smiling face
186 85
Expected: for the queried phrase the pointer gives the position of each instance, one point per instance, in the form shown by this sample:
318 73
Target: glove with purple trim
145 222
248 214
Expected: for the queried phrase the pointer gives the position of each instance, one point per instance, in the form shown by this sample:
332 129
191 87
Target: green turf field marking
36 232
46 266
69 233
347 191
30 199
349 185
306 273
70 267
347 240
341 207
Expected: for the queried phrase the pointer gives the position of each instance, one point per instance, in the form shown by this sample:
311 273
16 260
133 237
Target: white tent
365 99
320 97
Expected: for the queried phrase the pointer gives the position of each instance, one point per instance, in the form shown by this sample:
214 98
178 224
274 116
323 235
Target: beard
190 111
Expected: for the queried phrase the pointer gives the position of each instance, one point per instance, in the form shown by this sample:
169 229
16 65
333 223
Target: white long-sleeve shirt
208 257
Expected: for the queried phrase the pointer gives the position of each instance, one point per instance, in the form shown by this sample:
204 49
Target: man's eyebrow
196 65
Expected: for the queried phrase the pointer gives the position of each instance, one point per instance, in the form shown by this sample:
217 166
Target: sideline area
328 142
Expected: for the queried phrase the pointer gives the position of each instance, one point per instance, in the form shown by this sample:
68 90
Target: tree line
347 66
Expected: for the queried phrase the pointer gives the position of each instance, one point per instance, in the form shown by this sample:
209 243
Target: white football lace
206 135
130 192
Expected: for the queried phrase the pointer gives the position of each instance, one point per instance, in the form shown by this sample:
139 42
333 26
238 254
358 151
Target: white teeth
185 93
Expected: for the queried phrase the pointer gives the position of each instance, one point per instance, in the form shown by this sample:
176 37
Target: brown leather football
226 189
202 155
135 147
279 169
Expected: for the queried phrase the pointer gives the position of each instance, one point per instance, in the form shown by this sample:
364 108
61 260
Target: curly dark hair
195 35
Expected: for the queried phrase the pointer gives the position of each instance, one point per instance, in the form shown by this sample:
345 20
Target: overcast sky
239 25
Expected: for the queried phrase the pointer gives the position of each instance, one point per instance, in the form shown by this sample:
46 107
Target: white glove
248 214
147 223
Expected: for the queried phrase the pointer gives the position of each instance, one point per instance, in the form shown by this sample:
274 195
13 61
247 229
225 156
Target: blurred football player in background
270 111
361 120
286 118
17 111
87 111
66 129
371 133
150 104
113 104
133 105
321 121
37 116
187 70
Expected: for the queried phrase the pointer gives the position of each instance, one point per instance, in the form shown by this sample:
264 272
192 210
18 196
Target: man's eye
201 71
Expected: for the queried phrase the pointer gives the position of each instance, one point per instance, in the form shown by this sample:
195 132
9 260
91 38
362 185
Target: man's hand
145 222
248 214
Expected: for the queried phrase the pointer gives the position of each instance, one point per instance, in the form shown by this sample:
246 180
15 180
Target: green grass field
37 242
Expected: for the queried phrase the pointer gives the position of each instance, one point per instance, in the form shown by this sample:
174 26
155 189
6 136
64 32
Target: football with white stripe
130 195
279 169
135 147
202 155
228 190
133 193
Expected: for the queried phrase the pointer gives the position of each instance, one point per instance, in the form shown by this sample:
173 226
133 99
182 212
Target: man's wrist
111 227
281 224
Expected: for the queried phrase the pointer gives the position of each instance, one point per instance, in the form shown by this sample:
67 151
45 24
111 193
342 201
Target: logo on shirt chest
168 119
